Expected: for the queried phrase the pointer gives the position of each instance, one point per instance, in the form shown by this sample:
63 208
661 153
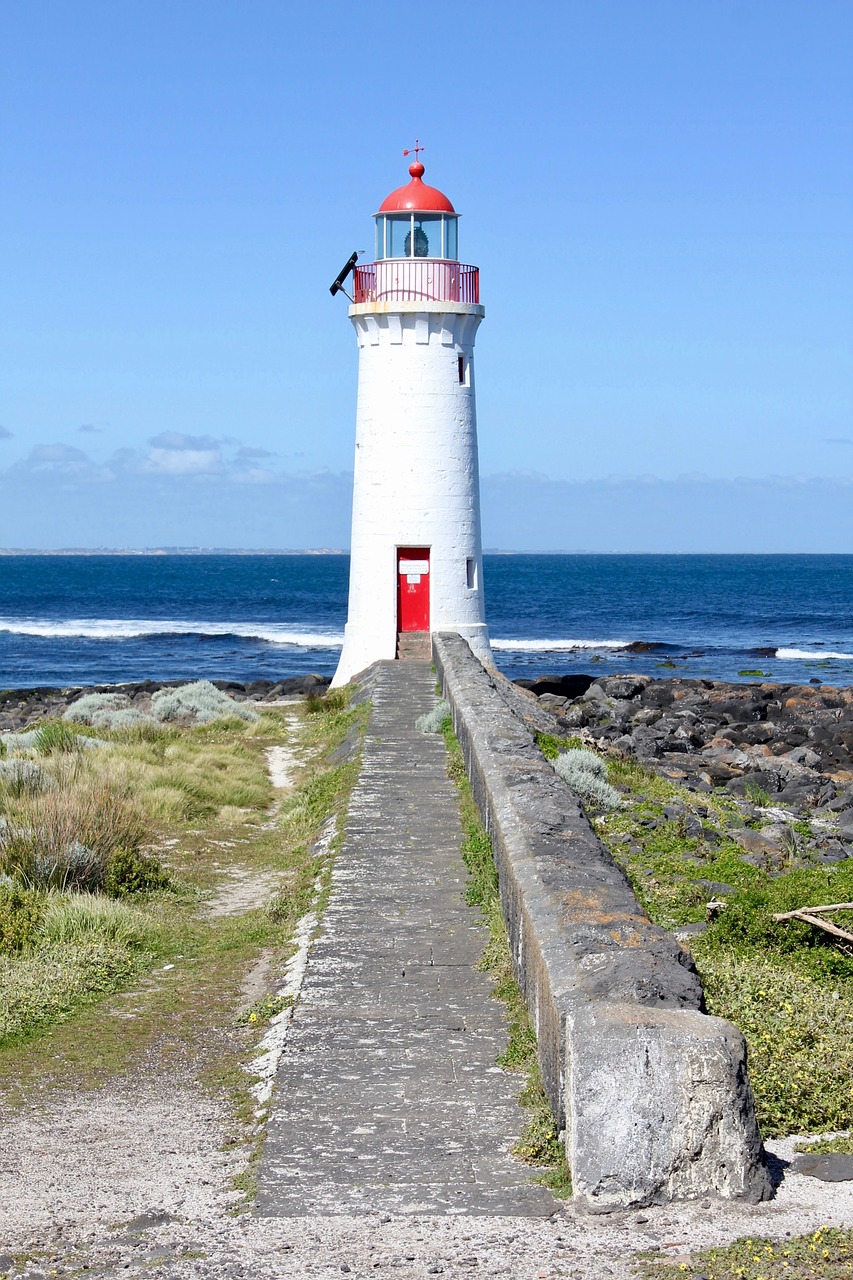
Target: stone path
388 1094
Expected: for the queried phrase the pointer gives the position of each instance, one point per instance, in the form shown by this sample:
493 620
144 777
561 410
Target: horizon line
342 551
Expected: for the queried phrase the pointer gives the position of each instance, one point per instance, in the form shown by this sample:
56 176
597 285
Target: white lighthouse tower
416 555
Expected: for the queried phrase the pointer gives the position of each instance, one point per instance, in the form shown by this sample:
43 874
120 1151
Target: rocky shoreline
20 708
784 749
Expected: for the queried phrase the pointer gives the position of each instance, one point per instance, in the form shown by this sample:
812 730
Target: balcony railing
417 280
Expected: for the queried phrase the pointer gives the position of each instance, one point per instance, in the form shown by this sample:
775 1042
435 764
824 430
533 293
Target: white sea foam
132 628
558 646
802 654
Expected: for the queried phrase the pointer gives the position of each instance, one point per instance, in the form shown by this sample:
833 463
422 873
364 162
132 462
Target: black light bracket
337 285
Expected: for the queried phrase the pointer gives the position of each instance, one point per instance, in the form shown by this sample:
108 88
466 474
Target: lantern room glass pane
451 247
399 229
426 242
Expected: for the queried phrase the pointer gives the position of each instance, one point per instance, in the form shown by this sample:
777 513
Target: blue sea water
70 620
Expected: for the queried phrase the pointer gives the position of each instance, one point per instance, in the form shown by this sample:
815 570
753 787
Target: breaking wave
280 633
558 646
806 654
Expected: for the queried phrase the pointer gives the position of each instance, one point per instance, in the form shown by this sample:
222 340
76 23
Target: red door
413 588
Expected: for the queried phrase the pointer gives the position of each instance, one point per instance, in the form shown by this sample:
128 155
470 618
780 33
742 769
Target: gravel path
131 1180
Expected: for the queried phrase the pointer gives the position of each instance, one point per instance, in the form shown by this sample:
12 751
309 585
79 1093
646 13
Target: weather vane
416 148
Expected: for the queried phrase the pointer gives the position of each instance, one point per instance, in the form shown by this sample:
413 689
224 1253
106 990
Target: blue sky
658 194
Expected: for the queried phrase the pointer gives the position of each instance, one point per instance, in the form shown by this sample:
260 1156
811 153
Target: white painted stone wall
416 474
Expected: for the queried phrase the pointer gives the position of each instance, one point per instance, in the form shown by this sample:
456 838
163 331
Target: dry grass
66 836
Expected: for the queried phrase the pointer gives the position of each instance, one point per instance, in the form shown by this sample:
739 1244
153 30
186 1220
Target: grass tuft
65 838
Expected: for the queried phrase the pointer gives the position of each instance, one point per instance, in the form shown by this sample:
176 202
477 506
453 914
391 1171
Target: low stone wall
652 1092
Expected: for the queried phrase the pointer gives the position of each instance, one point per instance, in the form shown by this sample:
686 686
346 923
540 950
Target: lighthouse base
361 648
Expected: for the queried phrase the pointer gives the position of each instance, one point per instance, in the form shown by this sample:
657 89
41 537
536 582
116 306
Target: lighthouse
416 553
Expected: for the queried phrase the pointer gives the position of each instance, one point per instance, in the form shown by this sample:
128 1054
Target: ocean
100 619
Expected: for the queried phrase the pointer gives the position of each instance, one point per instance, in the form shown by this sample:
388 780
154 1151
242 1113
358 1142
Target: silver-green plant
432 721
20 744
94 704
23 777
201 702
119 718
586 774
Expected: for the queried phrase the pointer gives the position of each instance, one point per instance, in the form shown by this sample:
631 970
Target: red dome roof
416 195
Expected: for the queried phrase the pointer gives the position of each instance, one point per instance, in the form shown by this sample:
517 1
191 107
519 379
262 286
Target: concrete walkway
388 1094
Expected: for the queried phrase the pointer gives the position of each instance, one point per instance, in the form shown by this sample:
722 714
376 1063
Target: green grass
757 795
842 1143
785 984
551 745
539 1144
826 1254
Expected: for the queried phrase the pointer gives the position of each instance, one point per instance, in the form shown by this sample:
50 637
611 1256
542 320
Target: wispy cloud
63 459
837 440
5 433
89 429
169 455
246 451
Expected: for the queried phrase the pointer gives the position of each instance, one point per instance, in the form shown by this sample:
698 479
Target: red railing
417 280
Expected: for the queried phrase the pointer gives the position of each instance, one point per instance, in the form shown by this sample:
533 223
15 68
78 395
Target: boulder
756 843
661 1109
831 1166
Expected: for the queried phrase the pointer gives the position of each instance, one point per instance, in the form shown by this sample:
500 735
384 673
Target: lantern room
417 221
417 250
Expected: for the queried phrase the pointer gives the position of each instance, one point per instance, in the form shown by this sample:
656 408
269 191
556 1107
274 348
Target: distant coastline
172 551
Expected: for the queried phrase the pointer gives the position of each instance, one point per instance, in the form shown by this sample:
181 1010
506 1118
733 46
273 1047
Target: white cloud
183 462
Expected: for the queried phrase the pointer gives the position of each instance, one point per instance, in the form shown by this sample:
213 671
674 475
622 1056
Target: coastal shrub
92 704
55 736
23 777
39 985
586 774
432 721
798 1035
130 872
66 838
201 702
21 912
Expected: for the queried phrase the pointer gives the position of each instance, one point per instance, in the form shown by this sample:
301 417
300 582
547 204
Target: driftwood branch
812 915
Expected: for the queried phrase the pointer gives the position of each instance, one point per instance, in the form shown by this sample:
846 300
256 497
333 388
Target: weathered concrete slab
653 1094
388 1093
